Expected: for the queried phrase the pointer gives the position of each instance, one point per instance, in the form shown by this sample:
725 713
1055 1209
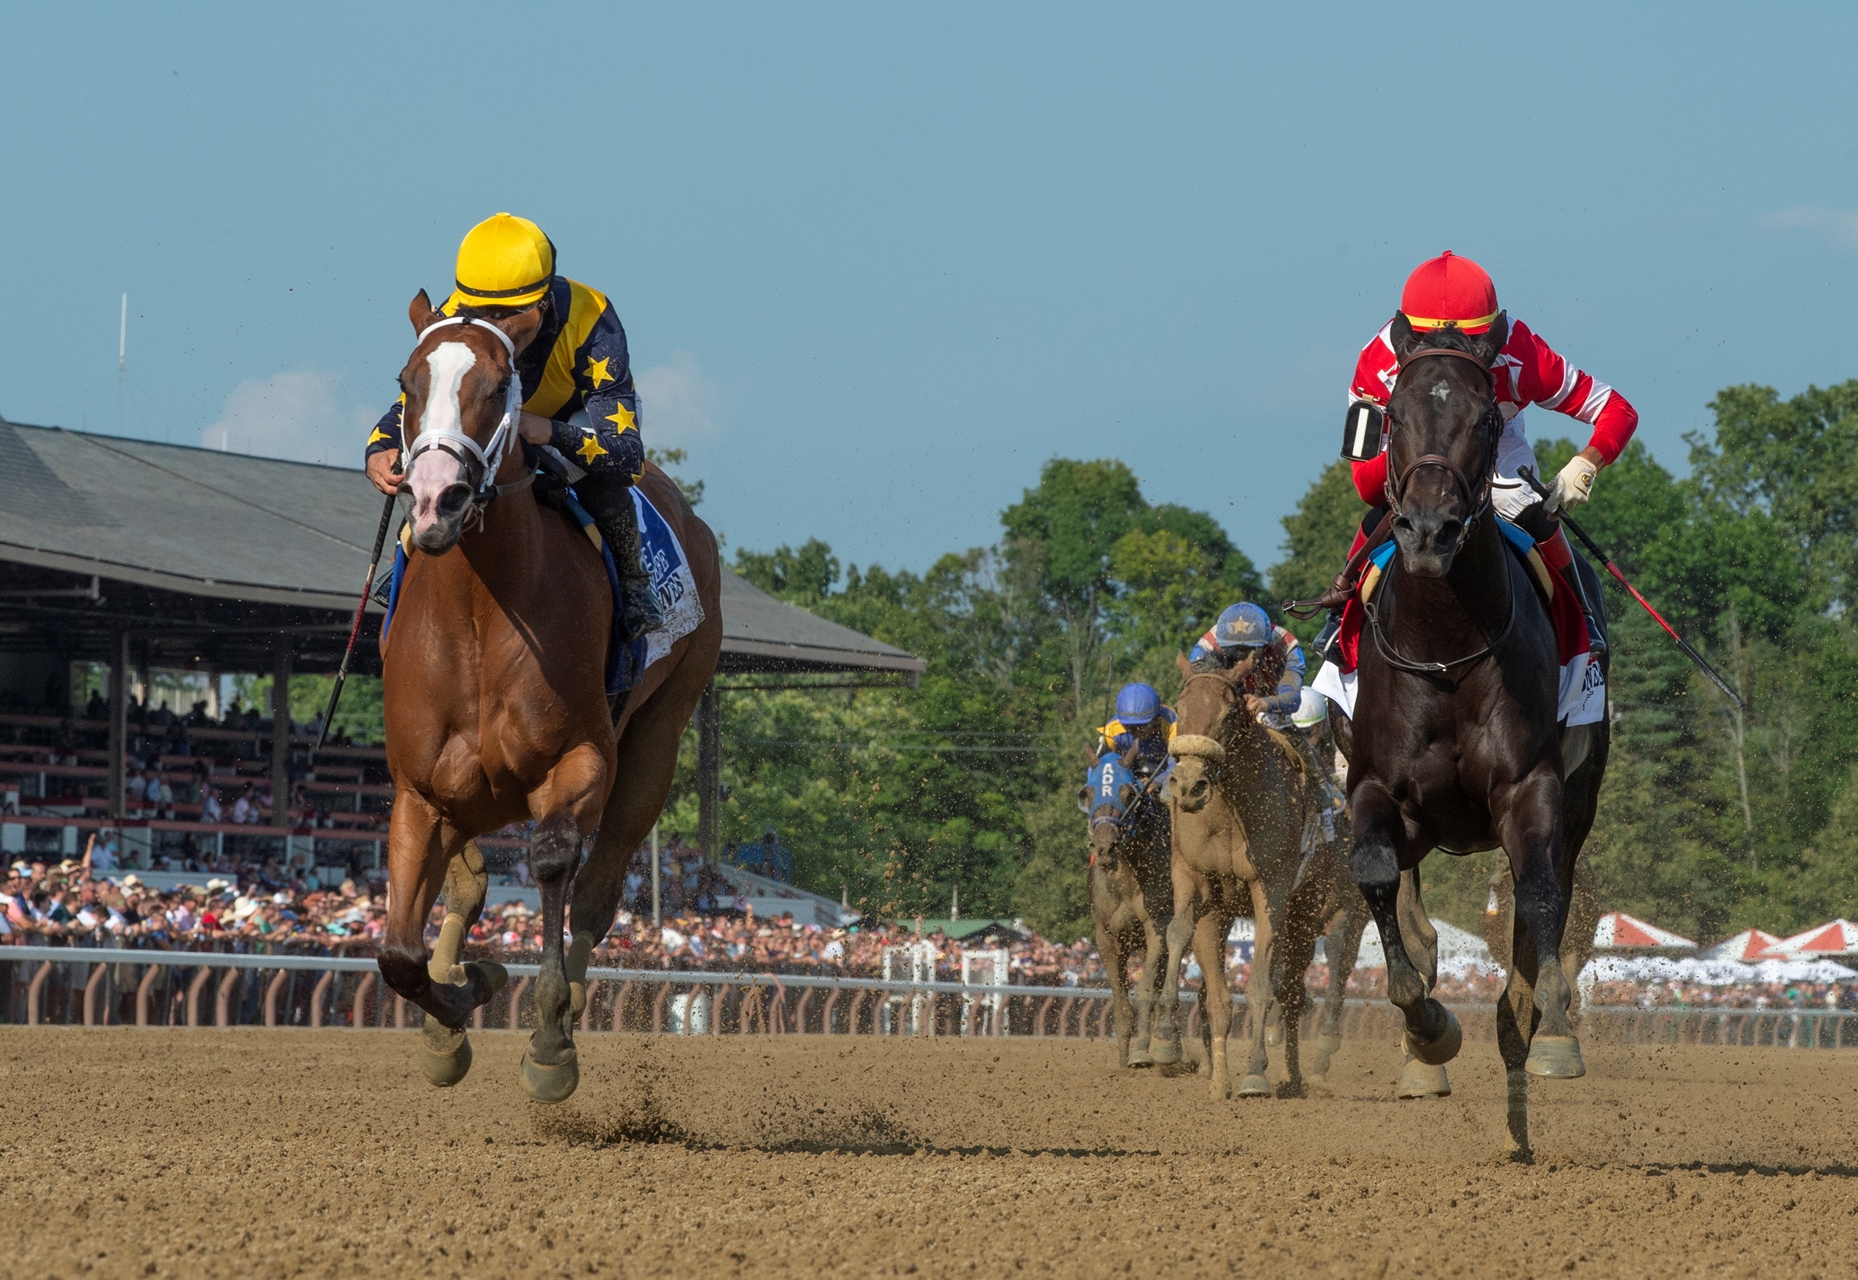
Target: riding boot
610 504
1325 639
1596 638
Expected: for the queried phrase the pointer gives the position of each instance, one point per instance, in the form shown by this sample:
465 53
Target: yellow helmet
504 261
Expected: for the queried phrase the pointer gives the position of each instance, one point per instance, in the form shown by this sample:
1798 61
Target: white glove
1573 485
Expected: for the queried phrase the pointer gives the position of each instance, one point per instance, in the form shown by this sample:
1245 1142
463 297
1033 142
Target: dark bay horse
1131 893
495 700
1456 743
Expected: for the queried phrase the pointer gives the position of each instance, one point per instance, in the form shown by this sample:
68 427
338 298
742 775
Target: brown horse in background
495 700
1237 798
1131 893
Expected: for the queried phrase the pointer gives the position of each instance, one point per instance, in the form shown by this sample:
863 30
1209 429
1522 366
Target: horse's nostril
453 499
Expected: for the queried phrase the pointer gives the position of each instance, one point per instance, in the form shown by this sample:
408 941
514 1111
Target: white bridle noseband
449 439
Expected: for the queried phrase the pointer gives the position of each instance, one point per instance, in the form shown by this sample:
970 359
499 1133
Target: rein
488 459
1490 423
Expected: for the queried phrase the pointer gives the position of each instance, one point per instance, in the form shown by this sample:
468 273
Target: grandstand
145 557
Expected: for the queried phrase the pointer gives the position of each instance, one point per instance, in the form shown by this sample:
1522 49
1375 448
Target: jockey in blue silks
1274 681
1141 722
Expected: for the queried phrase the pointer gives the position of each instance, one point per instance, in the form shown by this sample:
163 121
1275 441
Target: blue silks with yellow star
577 361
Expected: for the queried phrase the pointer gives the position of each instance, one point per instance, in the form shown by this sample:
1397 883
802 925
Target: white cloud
291 415
1838 226
679 405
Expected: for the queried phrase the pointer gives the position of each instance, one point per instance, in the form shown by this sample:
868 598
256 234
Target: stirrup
1326 638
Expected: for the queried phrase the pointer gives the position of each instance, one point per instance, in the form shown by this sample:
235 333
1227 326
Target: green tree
1317 535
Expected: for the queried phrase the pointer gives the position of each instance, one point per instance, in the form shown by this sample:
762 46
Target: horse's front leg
1115 957
1164 1047
1209 941
566 806
1268 904
1147 992
1432 1032
1530 825
420 847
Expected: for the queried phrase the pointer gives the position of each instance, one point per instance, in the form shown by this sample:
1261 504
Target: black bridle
1490 427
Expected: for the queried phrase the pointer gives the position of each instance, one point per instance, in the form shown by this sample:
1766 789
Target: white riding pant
1509 492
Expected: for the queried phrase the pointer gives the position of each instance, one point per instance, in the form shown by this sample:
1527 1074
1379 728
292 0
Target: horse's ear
421 312
522 327
1091 758
1401 338
1487 344
1180 660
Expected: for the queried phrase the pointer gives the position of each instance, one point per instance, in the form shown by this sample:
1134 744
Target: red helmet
1449 290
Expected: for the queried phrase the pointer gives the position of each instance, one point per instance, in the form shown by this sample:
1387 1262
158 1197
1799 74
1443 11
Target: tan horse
495 701
1237 798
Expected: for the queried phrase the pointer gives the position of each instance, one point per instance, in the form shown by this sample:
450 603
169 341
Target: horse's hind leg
1545 873
1432 1032
1298 949
645 760
1340 949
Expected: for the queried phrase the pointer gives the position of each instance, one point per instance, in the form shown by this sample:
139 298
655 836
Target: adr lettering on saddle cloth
1583 682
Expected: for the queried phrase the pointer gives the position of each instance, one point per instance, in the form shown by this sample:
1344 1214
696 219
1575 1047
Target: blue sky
878 263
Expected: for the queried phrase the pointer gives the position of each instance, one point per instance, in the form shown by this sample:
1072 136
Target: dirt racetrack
278 1153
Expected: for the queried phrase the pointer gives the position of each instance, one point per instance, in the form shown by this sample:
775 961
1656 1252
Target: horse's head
1443 426
463 404
1205 708
1108 797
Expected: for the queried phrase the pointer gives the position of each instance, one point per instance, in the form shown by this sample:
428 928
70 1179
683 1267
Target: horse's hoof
1138 1058
492 975
452 975
1558 1057
444 1055
1418 1080
1274 1035
1255 1086
1164 1053
555 1083
577 998
1436 1053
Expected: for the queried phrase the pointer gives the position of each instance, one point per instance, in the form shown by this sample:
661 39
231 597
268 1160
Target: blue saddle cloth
625 663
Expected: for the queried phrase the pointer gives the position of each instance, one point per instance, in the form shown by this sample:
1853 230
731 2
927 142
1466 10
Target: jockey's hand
381 471
536 429
1254 704
1573 485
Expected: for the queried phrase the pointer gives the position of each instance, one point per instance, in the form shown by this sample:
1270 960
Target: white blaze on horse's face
435 470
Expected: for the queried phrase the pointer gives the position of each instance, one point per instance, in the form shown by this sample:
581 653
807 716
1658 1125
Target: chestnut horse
1456 743
495 700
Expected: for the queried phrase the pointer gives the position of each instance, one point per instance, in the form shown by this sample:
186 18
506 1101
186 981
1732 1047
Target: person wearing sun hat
578 393
1451 292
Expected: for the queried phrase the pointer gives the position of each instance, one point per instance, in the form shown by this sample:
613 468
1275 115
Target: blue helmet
1243 626
1137 704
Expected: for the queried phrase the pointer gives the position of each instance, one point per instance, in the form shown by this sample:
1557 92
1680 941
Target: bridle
485 460
1489 425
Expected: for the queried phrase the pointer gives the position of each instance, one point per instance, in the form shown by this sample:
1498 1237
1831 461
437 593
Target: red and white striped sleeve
1541 376
1375 372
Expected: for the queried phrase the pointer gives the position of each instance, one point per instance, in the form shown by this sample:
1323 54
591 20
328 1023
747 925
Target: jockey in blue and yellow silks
577 388
1143 723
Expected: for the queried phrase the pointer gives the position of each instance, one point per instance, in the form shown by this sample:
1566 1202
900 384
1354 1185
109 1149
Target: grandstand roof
208 556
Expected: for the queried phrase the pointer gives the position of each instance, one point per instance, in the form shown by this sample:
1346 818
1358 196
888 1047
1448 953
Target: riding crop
1594 548
335 693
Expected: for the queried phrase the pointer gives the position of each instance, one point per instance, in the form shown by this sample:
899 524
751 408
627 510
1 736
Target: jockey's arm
383 453
1536 374
608 445
1289 685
